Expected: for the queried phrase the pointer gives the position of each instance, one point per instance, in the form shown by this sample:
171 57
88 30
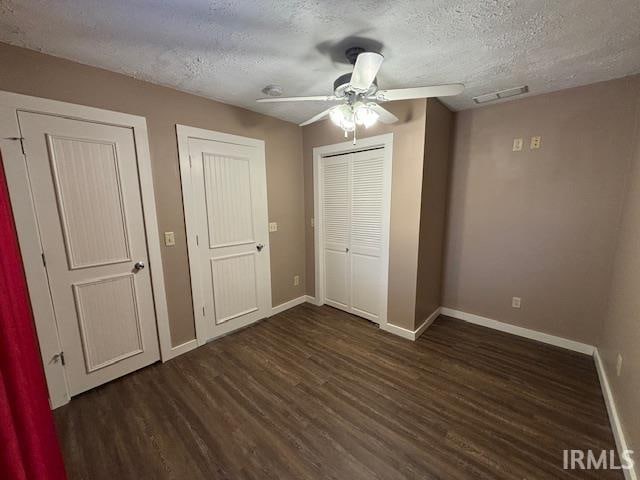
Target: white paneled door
227 223
355 195
86 192
337 228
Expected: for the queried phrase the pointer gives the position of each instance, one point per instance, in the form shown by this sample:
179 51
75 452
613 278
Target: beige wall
621 326
435 180
32 73
540 224
408 145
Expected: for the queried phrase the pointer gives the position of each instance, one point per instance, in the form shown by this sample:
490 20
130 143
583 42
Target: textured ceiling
229 50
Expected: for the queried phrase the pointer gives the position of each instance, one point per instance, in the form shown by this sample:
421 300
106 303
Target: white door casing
224 191
352 201
84 182
16 171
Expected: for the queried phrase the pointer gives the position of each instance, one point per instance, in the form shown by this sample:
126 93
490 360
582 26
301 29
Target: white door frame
386 141
15 168
184 133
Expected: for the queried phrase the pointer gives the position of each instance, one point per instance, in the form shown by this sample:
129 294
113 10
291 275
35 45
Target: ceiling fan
359 97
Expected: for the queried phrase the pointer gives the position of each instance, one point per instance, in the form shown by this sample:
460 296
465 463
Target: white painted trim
519 331
411 334
27 227
614 418
312 300
184 133
183 348
203 134
427 323
287 305
187 187
386 141
399 331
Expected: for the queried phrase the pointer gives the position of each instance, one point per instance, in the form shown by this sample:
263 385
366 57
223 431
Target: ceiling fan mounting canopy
352 54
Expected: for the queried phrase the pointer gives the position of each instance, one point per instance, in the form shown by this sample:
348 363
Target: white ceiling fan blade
384 115
317 98
419 92
317 117
365 70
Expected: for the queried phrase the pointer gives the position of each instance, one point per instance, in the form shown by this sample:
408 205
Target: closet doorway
352 201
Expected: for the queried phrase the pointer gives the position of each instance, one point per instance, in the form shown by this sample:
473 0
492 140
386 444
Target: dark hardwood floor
316 393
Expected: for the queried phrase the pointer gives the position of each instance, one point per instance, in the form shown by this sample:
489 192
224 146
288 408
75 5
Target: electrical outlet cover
515 302
535 142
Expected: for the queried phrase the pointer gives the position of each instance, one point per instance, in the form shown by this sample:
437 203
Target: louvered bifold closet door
336 205
367 240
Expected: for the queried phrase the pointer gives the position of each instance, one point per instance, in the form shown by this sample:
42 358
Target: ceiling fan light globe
365 116
339 113
348 124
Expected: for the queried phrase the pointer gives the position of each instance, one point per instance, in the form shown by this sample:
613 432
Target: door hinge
20 139
59 356
190 162
44 260
203 311
197 241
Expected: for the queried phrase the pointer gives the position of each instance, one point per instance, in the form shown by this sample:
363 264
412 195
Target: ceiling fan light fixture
361 97
348 125
342 116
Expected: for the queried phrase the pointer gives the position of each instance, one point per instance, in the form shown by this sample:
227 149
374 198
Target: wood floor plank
315 393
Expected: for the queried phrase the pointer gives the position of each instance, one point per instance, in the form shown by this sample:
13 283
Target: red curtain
29 447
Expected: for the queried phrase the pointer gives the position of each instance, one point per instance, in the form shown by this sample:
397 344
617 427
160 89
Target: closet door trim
380 141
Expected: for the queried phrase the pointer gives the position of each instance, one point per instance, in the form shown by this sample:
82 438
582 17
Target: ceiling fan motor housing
341 86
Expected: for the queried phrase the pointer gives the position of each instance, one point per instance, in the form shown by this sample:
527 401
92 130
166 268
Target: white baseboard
182 348
519 331
312 300
287 305
411 334
399 331
614 419
427 322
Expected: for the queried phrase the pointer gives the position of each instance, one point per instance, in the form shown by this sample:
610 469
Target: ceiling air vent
492 97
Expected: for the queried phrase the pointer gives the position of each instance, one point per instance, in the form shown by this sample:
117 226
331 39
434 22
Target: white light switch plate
517 144
515 302
169 239
273 227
